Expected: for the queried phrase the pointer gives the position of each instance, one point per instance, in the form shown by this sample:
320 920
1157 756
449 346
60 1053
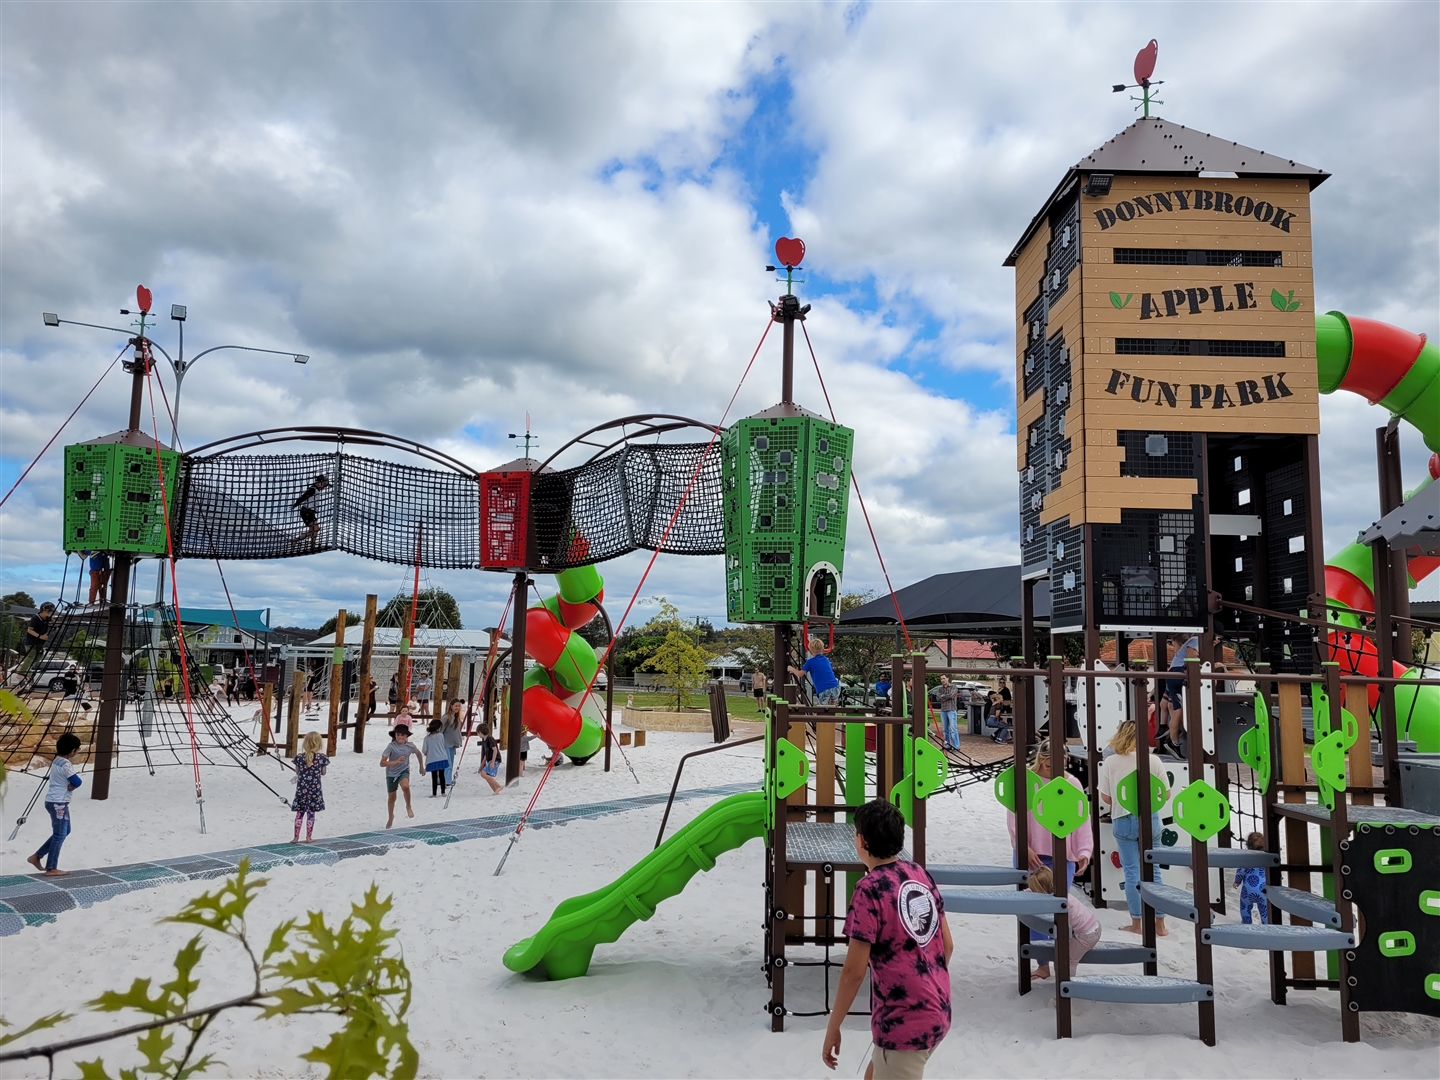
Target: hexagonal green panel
1005 788
1200 810
1327 758
1127 793
1061 807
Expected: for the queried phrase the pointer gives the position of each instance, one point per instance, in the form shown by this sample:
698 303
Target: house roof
973 601
1155 145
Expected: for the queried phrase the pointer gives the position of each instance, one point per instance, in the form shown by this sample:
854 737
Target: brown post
1092 761
609 703
292 722
437 683
407 639
1339 830
111 690
919 729
1199 853
1021 693
367 651
267 695
337 673
517 681
1385 661
452 679
1392 494
1144 784
1297 833
1059 865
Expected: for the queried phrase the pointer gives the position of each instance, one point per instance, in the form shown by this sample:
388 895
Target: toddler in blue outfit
1251 883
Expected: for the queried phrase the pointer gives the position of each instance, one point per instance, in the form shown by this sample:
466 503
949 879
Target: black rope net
272 506
60 688
627 500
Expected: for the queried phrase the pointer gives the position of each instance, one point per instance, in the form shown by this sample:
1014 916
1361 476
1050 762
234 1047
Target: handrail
680 768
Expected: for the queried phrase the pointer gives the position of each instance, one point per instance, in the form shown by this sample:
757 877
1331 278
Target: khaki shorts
899 1064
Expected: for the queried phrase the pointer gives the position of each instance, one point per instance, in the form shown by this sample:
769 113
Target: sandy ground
682 995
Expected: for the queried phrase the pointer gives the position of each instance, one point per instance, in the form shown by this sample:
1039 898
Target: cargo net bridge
629 495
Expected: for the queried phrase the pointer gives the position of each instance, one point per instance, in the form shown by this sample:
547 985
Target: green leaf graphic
1278 300
1116 302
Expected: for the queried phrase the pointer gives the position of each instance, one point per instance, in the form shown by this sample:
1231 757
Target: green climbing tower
786 474
112 497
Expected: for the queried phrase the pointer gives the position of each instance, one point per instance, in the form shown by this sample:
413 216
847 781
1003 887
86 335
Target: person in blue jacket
64 778
822 676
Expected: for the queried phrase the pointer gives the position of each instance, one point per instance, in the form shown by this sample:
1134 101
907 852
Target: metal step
974 874
1277 938
1136 989
1001 902
1169 900
1307 905
1041 924
1104 952
1232 858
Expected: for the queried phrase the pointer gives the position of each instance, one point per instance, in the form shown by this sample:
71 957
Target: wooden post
1021 690
437 683
452 678
825 768
337 661
292 722
1092 759
267 694
367 651
1297 833
407 635
1385 660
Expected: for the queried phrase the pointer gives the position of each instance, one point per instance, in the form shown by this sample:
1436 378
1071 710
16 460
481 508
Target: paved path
30 900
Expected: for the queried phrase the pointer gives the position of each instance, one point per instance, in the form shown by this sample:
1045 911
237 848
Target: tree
436 608
677 655
328 626
12 627
754 646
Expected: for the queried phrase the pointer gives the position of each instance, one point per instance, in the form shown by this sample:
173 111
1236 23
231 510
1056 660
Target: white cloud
464 213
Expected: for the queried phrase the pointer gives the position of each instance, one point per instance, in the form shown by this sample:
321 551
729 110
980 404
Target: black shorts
308 516
759 695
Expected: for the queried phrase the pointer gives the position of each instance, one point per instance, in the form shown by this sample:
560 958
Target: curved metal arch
340 436
649 424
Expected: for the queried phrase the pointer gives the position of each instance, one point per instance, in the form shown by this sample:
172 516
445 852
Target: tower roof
1153 145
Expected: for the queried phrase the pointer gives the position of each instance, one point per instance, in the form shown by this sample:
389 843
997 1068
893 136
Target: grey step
1277 938
1001 902
1169 900
1136 989
1104 952
972 874
1041 924
1233 858
1305 904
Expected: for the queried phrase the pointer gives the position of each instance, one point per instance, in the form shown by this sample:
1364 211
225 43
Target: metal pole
517 681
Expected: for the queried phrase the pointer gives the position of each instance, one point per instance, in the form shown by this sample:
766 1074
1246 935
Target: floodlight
51 319
302 358
177 312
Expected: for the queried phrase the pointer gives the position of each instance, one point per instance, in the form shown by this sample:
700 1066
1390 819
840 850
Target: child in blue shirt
822 676
1250 880
63 779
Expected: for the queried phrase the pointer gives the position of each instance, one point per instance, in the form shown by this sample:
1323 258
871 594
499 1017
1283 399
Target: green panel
113 498
786 501
1255 744
1127 793
1061 807
1393 861
1005 788
1200 810
1395 943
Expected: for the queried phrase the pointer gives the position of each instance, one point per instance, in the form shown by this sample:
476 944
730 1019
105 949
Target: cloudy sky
464 213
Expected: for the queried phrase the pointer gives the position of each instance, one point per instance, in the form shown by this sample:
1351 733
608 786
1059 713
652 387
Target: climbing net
60 692
633 498
272 506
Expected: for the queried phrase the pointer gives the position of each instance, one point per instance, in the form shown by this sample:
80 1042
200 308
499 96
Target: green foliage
855 655
328 626
352 972
678 657
12 627
435 608
35 1025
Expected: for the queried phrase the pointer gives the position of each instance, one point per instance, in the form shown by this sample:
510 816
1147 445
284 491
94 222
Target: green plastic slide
567 941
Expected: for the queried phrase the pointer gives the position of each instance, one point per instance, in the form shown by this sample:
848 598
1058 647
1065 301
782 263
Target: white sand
682 995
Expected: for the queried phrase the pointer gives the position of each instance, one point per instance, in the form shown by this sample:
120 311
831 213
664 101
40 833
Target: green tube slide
1401 372
565 944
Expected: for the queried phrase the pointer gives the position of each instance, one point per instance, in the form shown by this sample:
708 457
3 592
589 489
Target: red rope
62 427
175 599
520 825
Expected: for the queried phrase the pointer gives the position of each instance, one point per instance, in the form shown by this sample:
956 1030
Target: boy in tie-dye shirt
896 926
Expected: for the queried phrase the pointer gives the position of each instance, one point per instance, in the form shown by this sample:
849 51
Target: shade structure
964 602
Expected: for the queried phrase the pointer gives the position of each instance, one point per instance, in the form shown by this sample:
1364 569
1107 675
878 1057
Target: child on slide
309 799
897 930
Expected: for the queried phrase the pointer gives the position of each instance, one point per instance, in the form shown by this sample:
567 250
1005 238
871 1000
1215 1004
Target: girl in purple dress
309 798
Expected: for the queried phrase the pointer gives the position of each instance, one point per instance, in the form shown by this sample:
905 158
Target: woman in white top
1126 826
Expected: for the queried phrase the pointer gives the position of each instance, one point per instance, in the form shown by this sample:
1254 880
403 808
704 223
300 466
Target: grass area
740 706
